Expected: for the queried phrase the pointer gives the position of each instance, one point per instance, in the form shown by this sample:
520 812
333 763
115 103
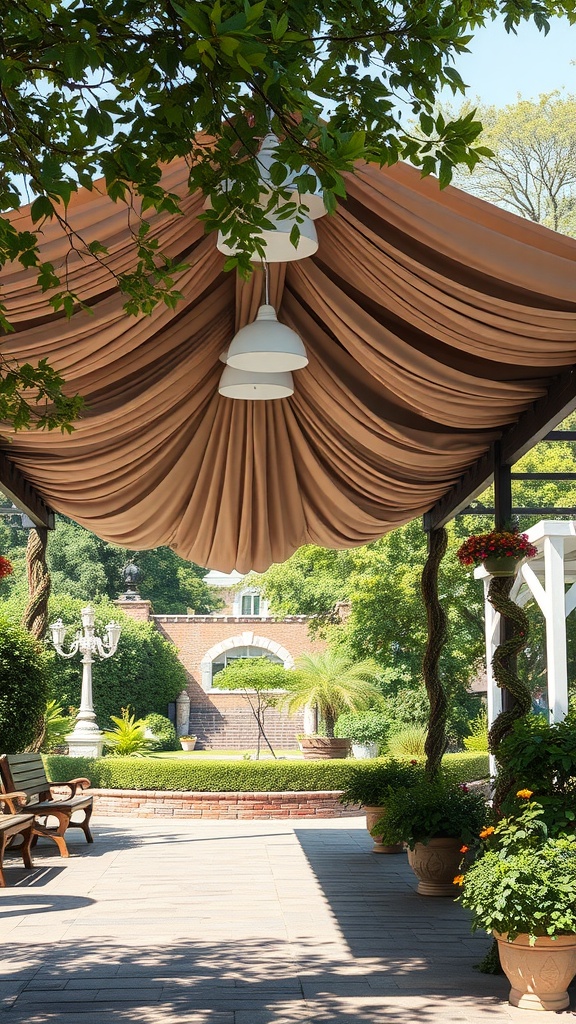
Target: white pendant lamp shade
313 200
255 387
279 248
266 346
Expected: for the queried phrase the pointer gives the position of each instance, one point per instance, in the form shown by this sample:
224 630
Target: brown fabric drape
431 320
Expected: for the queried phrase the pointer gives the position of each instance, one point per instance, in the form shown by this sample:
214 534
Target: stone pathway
236 922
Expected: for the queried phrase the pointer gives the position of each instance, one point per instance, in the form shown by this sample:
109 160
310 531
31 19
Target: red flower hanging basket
502 547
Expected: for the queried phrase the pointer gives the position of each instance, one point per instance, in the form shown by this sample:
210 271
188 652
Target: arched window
246 645
250 602
238 653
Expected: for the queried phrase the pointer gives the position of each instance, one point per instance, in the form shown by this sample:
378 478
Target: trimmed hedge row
233 776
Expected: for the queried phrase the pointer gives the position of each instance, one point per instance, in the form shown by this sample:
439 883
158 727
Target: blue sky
500 65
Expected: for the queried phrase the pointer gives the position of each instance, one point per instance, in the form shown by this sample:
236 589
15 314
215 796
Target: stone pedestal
85 743
183 714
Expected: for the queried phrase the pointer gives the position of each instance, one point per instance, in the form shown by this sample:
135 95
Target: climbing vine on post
504 668
437 631
35 617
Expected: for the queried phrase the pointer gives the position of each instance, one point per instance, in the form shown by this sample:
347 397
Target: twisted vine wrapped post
35 617
437 631
504 667
504 660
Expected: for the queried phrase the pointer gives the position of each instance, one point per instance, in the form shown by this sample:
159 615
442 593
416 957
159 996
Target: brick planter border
168 804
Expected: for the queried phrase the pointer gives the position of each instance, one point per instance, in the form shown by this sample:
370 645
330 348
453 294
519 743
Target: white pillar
86 740
556 660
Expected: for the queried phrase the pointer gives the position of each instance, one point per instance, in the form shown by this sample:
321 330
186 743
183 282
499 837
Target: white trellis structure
544 578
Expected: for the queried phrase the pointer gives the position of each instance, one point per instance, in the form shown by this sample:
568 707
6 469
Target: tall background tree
386 619
84 566
533 168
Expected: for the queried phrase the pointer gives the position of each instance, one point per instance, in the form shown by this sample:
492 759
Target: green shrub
431 810
234 776
24 667
57 726
525 881
478 736
542 758
370 785
363 727
144 672
163 733
466 766
408 742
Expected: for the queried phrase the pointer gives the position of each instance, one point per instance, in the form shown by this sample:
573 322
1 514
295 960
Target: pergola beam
22 493
533 426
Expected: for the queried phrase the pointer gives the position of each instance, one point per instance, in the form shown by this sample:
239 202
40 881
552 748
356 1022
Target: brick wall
225 720
230 726
160 804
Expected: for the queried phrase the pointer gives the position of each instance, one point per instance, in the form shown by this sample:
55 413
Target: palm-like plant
333 682
128 738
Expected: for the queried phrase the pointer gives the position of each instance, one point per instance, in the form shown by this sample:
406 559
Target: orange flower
459 880
486 832
524 793
464 849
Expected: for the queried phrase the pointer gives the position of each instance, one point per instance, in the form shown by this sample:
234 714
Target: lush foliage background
84 566
145 672
24 682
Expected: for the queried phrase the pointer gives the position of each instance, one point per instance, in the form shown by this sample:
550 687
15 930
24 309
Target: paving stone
209 922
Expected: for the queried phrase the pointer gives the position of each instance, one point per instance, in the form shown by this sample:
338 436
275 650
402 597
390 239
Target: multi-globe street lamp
86 739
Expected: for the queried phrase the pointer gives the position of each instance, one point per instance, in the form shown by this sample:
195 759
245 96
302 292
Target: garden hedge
233 776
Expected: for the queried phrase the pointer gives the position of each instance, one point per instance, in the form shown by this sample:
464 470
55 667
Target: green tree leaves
528 160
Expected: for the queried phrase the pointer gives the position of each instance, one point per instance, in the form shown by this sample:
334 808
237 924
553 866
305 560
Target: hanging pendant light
249 385
313 200
267 346
256 387
276 240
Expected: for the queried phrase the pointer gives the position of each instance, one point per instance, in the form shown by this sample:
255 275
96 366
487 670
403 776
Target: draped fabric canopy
431 319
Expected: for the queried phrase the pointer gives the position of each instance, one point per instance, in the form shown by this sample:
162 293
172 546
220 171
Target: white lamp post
86 739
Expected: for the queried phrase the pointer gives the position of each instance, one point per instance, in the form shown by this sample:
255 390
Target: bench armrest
73 785
13 801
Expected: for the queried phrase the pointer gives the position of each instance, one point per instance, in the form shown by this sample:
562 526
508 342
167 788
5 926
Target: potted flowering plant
372 785
499 551
522 887
434 819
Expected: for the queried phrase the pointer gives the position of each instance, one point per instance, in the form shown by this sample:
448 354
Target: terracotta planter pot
373 814
539 974
501 565
323 748
188 744
435 865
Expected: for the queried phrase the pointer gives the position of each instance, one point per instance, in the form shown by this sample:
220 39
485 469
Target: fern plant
128 738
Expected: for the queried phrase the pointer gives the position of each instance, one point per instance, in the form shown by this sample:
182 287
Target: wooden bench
25 773
12 824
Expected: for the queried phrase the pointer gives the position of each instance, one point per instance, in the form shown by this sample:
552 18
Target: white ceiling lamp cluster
263 354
